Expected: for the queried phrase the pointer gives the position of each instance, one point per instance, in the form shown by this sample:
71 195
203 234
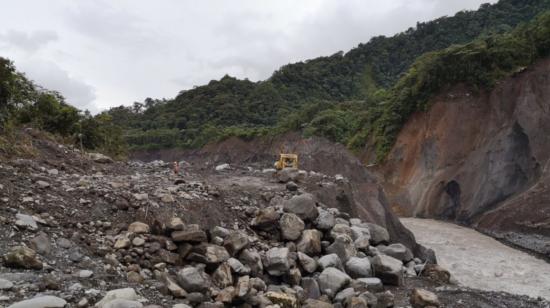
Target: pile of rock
296 253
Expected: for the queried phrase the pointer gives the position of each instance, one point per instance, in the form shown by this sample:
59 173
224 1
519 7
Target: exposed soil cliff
481 159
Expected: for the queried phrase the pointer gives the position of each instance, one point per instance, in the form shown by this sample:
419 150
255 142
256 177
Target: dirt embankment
362 196
480 159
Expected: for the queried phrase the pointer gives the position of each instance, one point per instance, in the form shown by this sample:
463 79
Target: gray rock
358 232
238 267
302 205
331 260
123 303
190 233
372 284
266 219
41 244
277 263
398 251
252 259
291 186
310 242
342 295
47 301
128 294
340 229
358 267
333 280
388 269
222 277
343 246
325 220
308 264
193 279
138 227
25 221
221 232
172 286
311 288
208 254
291 226
235 242
378 234
5 284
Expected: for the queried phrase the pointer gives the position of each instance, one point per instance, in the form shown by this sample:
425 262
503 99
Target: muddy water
481 262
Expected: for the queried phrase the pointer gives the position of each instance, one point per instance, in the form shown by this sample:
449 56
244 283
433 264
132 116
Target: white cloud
107 53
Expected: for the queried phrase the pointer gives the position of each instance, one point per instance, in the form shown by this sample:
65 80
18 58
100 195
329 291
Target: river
479 261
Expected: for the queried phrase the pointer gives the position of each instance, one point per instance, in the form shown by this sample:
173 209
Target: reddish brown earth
481 159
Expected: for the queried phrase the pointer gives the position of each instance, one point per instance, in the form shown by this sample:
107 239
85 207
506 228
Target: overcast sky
100 54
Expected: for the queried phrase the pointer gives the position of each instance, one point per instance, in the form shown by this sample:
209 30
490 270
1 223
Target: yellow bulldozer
287 161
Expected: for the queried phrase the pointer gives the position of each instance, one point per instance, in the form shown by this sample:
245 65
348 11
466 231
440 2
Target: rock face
480 159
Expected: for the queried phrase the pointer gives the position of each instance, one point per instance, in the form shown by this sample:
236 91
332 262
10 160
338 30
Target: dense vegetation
358 98
24 103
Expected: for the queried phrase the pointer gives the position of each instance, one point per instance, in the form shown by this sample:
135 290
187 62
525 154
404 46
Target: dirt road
481 262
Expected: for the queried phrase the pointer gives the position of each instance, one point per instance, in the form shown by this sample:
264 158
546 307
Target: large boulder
235 242
398 251
126 294
47 301
193 280
388 269
378 234
325 220
22 257
311 288
308 264
331 260
333 280
310 242
358 267
252 259
266 219
302 205
343 246
222 276
421 298
208 254
291 226
277 262
190 233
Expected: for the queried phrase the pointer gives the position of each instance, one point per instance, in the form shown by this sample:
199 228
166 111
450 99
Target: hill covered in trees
23 103
357 98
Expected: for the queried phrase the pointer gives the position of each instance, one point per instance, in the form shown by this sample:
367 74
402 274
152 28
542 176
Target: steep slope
480 159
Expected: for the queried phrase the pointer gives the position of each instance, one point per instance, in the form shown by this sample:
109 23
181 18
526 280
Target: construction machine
287 161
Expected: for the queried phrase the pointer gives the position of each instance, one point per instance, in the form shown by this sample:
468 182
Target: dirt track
481 262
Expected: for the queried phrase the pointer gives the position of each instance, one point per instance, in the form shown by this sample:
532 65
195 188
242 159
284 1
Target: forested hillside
359 97
23 103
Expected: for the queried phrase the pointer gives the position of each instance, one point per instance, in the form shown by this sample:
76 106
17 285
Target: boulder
302 205
25 221
266 219
5 284
193 279
398 251
190 233
358 267
208 254
421 298
344 294
310 242
379 235
123 303
128 294
282 299
172 286
325 221
357 302
277 263
388 269
138 227
237 267
331 260
22 257
311 288
340 229
41 244
343 246
333 280
308 264
252 259
222 167
372 284
291 226
222 277
235 242
47 301
100 158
